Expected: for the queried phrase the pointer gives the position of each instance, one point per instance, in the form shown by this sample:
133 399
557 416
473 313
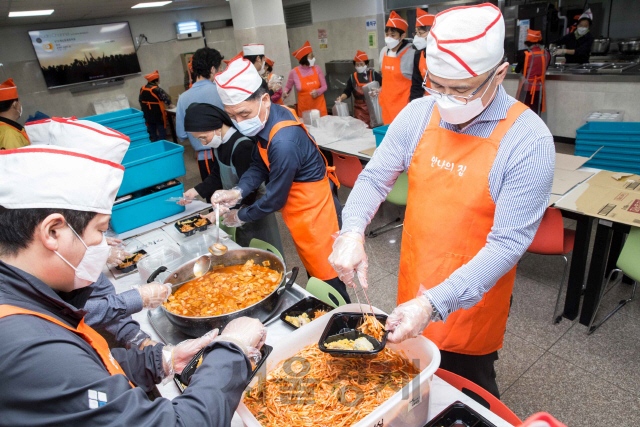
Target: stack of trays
620 142
128 121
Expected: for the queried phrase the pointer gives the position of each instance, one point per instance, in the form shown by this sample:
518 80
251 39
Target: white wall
20 62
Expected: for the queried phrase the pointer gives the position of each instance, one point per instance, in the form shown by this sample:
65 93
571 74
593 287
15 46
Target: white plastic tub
408 407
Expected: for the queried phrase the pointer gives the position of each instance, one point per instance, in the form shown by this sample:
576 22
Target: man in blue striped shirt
480 168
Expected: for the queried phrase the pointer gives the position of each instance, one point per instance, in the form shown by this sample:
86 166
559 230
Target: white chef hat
253 49
465 41
54 177
586 15
238 82
93 138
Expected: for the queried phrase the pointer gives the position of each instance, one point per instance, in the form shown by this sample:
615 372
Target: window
297 15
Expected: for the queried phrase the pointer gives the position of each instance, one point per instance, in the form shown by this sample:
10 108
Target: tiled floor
582 380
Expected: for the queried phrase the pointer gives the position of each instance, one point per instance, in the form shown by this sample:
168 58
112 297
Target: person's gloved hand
560 52
231 219
226 198
247 333
116 255
112 241
348 258
409 319
154 294
189 194
175 358
314 93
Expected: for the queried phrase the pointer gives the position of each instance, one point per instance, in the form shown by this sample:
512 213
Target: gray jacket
51 376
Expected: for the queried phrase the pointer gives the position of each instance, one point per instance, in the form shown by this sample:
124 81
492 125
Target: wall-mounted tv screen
70 56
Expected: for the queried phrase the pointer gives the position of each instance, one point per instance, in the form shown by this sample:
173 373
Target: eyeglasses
458 99
421 33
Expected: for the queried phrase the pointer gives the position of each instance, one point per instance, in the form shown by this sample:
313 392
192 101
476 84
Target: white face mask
391 42
582 30
456 113
361 69
252 126
420 42
262 69
215 142
91 264
312 62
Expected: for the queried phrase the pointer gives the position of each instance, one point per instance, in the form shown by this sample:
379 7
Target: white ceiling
75 10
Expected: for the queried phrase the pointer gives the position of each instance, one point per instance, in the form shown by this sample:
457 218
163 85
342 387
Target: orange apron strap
94 339
504 125
206 161
434 121
159 103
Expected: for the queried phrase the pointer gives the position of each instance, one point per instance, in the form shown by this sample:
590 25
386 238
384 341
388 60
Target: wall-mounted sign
372 25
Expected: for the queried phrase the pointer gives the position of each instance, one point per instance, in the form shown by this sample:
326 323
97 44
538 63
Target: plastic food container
458 414
308 305
118 118
151 164
343 326
379 133
182 380
167 256
199 244
145 208
408 407
189 221
133 266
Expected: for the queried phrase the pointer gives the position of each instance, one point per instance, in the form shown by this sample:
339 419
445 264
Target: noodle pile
314 389
372 327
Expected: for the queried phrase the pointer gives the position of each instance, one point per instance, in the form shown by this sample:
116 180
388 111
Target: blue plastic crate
146 209
139 141
379 133
609 131
151 164
118 118
616 166
609 155
138 127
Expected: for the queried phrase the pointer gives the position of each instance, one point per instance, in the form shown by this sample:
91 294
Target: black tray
459 415
182 380
195 230
132 266
308 305
343 326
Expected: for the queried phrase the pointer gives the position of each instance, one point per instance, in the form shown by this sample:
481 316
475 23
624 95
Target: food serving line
157 325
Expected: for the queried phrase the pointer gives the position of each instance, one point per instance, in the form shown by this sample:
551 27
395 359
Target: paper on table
571 163
553 199
565 180
368 151
143 229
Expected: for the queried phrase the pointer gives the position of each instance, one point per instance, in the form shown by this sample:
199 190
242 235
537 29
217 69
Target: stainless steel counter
630 76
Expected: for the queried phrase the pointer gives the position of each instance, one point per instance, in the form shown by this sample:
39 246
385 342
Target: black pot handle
156 273
290 282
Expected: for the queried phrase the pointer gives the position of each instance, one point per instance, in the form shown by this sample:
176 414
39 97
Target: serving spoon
218 249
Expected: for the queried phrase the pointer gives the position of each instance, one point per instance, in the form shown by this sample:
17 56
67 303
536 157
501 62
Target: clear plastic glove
189 194
138 340
227 198
117 255
314 93
408 320
154 294
112 241
348 258
248 334
374 92
559 52
175 358
231 219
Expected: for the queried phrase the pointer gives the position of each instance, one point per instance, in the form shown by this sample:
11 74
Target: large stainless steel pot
600 46
630 47
262 310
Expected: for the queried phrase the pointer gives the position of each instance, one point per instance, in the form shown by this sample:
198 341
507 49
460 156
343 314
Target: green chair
628 264
397 196
231 231
261 244
325 292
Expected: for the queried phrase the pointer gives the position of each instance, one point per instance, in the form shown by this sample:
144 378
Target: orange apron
279 101
160 103
423 70
305 101
533 79
396 88
360 109
85 332
310 213
450 171
23 131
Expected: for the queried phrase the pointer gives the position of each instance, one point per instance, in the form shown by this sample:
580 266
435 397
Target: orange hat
396 21
303 51
424 19
153 76
361 56
269 62
8 90
238 56
534 36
